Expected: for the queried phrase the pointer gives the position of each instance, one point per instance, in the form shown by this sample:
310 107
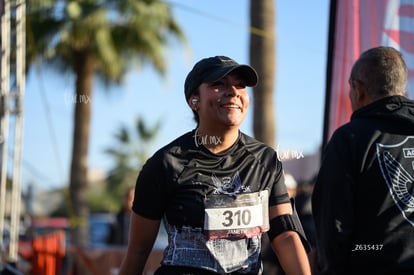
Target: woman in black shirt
216 189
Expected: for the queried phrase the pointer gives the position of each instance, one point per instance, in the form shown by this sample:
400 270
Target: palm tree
95 38
262 58
129 153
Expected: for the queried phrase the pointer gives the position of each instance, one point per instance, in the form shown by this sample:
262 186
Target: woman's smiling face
223 102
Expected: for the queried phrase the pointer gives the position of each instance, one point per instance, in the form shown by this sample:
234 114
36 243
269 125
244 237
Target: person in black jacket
363 202
119 230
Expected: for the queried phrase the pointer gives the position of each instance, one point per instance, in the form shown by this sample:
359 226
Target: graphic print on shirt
398 173
228 186
232 223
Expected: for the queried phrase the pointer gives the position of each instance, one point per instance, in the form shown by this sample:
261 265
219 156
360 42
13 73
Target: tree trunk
262 58
79 166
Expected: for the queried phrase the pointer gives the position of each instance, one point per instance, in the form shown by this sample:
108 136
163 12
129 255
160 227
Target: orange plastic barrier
48 253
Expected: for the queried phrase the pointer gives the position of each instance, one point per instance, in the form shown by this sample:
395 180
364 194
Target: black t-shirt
177 178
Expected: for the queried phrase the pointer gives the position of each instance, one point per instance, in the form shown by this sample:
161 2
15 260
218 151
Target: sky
213 27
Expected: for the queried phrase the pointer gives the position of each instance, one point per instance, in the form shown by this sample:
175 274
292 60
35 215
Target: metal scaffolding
13 48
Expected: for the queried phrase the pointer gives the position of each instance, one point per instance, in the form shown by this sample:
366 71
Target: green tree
129 153
95 38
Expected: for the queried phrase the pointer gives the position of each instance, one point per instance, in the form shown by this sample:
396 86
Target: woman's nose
231 90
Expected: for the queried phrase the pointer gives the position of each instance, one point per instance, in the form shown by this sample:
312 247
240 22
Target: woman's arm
142 235
288 245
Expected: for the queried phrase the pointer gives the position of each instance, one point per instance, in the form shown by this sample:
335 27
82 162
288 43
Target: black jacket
363 201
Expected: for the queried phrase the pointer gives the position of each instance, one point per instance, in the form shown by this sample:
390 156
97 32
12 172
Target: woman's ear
193 102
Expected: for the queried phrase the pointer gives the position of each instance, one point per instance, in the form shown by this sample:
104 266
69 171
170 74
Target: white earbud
194 101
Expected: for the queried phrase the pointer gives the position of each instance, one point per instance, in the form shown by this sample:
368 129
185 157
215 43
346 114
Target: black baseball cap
214 68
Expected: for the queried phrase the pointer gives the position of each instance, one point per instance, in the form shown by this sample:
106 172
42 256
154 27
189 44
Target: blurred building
303 167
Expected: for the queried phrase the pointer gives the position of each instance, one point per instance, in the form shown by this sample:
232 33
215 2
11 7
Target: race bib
241 216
